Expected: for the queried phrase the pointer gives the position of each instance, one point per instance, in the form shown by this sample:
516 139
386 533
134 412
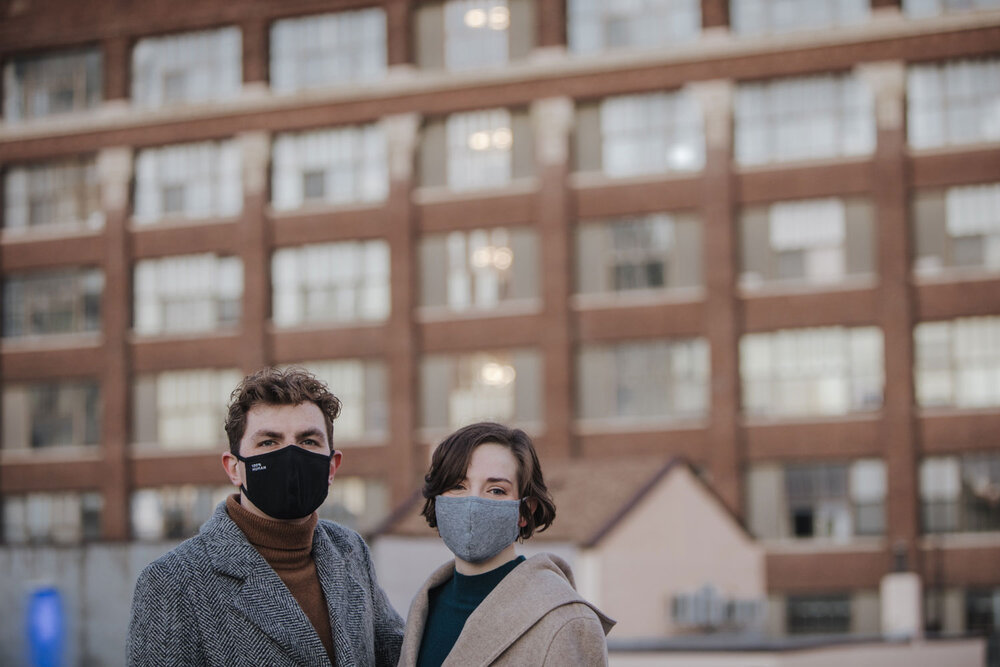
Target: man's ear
334 464
231 465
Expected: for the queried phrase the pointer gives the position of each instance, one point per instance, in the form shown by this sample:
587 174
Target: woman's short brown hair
450 463
274 386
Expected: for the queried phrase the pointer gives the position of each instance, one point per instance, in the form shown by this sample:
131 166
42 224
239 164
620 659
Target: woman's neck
471 569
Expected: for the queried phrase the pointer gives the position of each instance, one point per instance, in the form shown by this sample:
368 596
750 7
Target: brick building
761 235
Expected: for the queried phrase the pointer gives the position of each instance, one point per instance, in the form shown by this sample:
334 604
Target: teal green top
450 605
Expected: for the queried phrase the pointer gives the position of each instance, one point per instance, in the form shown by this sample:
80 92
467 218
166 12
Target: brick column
551 23
117 66
714 13
896 304
399 34
403 466
722 307
256 58
114 166
552 119
255 251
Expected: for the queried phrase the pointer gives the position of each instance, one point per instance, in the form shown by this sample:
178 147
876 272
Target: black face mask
288 483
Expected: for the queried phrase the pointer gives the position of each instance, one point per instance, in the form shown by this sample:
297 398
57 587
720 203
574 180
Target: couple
266 583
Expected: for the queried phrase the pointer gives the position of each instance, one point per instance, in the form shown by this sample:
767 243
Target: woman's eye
497 492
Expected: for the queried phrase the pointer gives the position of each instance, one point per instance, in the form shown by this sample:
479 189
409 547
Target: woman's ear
532 504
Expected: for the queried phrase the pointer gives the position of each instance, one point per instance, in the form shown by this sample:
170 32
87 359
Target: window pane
52 518
479 146
476 33
185 409
190 181
361 386
800 118
52 302
814 614
651 133
52 84
958 362
336 166
824 371
62 195
187 293
496 386
358 503
331 282
764 17
51 414
173 512
328 49
953 103
597 25
186 68
642 381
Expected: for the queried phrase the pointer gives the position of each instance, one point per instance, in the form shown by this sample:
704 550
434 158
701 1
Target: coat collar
264 599
531 590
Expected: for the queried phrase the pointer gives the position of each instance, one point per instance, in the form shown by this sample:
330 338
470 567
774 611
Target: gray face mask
476 529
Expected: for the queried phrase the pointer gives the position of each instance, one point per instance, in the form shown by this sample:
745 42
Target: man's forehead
300 417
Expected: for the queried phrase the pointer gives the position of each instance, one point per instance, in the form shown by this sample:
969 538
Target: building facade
762 235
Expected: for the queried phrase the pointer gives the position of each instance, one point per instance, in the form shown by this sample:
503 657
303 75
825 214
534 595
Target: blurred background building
761 235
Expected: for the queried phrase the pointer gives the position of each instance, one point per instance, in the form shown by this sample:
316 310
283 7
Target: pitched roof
592 496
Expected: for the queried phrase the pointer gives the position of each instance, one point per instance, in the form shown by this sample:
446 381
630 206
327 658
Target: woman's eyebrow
498 479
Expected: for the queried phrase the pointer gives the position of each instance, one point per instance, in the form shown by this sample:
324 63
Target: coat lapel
417 618
263 599
345 599
518 602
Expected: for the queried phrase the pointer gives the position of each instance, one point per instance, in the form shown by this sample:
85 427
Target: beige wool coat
533 617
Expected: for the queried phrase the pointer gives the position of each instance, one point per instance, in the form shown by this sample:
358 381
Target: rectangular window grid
52 302
57 196
187 293
331 283
596 25
192 181
187 68
651 133
52 84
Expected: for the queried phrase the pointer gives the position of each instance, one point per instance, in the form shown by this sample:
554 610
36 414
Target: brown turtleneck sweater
287 548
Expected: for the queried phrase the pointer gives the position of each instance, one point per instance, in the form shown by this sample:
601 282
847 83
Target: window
193 181
179 410
46 518
921 8
647 252
61 196
651 133
174 512
958 363
960 493
331 282
465 388
362 387
803 118
187 293
953 103
328 49
187 68
957 228
818 614
358 503
771 17
479 149
339 166
52 84
463 35
51 414
65 301
982 611
480 269
822 371
596 25
643 381
817 500
809 241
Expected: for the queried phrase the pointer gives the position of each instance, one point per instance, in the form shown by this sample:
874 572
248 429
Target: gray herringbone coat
214 600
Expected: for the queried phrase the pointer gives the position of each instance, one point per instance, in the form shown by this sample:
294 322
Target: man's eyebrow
265 432
310 431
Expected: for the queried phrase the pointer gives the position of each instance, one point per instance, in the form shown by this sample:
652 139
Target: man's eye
310 442
267 443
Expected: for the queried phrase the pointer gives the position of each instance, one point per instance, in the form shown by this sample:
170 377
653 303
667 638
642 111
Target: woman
489 606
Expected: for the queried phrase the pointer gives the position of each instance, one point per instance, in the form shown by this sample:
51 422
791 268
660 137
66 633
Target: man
265 582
